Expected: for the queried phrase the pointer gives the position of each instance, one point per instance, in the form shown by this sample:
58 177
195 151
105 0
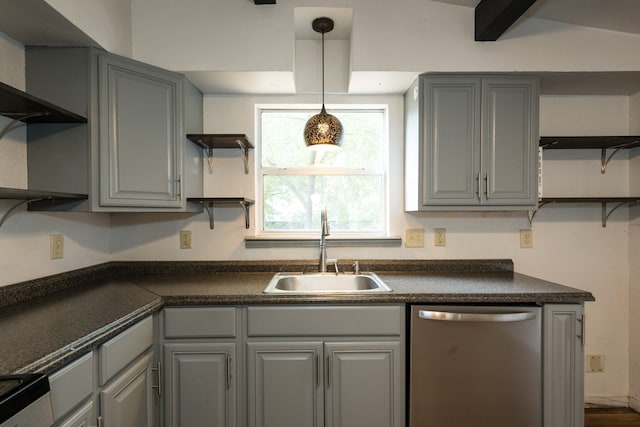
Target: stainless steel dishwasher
475 366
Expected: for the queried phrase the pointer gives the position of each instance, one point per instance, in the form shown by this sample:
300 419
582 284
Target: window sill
293 242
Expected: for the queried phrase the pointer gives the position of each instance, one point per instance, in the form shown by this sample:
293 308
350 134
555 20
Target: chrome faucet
324 232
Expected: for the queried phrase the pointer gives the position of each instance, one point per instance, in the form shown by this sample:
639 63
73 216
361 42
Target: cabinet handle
329 370
318 379
100 421
486 186
229 375
179 184
581 329
477 189
158 370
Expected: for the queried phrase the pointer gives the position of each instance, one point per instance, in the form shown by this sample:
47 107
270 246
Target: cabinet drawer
309 320
71 385
199 322
121 350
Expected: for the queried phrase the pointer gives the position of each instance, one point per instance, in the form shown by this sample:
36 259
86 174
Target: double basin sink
325 283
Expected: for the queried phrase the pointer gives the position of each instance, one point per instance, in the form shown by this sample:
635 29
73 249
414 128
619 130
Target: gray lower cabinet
132 155
202 367
127 400
200 385
325 366
563 365
285 384
471 142
112 386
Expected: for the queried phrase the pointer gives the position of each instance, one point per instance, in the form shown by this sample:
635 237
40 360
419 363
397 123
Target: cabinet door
365 384
451 137
200 384
140 134
510 141
127 400
563 365
285 384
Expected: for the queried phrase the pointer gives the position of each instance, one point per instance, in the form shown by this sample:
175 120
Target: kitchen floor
611 417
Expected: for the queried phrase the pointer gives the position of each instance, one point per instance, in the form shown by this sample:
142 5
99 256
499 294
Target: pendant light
323 130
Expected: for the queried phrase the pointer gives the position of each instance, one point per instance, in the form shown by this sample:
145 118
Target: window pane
282 140
293 202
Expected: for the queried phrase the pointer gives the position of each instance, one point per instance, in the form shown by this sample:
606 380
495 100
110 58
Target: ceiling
34 22
614 15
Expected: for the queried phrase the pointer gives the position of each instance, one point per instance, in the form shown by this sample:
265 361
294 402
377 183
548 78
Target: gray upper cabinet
140 131
133 154
471 142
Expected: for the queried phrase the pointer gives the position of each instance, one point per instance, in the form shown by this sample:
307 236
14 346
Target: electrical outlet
56 246
440 236
526 238
185 239
414 238
595 363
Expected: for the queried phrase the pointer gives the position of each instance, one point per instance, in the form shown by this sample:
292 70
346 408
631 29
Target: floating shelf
36 199
209 202
602 143
209 141
24 108
604 201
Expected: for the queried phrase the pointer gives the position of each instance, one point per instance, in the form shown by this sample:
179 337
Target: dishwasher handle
450 316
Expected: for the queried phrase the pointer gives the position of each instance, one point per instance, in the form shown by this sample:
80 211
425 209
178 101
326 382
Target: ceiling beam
494 17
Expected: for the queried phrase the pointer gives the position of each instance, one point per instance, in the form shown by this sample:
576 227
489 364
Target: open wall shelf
604 201
36 199
22 107
208 204
209 141
603 143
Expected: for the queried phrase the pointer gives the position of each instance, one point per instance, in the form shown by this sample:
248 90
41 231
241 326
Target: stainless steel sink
325 283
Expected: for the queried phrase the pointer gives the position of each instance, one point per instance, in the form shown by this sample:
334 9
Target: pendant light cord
323 69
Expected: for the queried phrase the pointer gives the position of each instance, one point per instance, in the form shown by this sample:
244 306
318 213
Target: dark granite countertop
46 323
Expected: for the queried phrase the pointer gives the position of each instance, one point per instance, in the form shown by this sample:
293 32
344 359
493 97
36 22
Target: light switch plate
526 238
440 236
185 239
56 246
414 238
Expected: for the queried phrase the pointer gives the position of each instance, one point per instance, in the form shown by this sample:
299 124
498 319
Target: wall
108 22
24 237
570 245
634 266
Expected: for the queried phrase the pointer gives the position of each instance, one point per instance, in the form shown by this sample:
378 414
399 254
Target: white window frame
260 172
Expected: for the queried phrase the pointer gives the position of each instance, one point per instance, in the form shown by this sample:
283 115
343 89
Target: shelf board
20 194
220 140
17 105
588 142
545 200
221 200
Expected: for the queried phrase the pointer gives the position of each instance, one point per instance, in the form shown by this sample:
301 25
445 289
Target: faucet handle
334 261
356 267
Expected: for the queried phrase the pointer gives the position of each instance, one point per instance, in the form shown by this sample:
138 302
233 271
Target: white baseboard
607 401
634 403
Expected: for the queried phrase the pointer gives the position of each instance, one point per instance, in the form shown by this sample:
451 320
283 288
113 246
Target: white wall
634 265
108 22
570 245
24 237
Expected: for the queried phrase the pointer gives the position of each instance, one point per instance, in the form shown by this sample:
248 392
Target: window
295 183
